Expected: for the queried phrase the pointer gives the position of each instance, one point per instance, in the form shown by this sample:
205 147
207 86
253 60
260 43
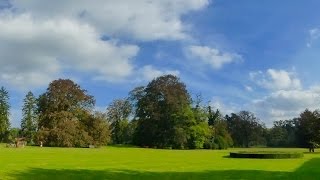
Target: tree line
161 114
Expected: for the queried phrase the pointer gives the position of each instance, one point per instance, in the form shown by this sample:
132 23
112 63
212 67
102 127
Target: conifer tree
29 117
4 113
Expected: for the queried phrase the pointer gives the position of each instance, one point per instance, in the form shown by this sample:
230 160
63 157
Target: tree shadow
309 170
311 153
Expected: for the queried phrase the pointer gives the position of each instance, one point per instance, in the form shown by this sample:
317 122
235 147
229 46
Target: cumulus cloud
140 19
33 52
212 56
285 98
286 104
39 44
276 79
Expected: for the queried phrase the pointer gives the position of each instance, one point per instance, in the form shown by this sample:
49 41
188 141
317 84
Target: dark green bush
266 155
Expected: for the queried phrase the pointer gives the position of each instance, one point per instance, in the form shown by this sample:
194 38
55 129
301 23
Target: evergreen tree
29 117
4 113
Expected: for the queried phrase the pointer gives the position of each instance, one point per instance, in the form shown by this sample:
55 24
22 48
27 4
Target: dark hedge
266 155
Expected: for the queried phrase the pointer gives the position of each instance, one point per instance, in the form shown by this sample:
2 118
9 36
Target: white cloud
276 79
140 19
212 56
33 52
38 44
286 104
286 97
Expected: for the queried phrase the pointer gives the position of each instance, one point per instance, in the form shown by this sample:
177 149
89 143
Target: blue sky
240 55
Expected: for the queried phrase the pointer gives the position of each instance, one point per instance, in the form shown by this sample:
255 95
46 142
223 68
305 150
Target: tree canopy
65 117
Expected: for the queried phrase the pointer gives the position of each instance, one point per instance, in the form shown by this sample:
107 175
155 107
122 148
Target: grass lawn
136 163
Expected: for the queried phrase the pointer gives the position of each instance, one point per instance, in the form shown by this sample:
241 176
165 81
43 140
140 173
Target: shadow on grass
309 170
123 146
311 153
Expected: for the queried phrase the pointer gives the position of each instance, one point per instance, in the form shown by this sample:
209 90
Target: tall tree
246 129
308 128
164 114
118 114
213 116
65 117
98 128
4 113
29 117
220 137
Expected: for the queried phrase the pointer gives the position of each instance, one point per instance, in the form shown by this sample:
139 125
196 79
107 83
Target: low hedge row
266 155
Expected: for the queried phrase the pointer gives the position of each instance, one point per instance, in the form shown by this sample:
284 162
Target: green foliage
118 114
29 120
277 137
12 134
219 137
246 129
68 133
198 135
4 113
282 134
308 128
222 138
213 116
65 118
98 128
163 109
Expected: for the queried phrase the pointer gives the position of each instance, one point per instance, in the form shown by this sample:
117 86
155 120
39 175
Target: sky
261 56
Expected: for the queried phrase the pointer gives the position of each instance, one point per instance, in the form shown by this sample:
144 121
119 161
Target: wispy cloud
314 34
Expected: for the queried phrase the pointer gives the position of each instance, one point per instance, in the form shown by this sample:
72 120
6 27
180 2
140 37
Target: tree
118 114
29 117
277 137
98 128
4 113
163 113
222 138
199 110
213 116
13 133
65 117
283 134
308 128
219 138
63 96
246 129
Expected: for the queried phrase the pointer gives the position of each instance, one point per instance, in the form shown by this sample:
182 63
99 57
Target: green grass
136 163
